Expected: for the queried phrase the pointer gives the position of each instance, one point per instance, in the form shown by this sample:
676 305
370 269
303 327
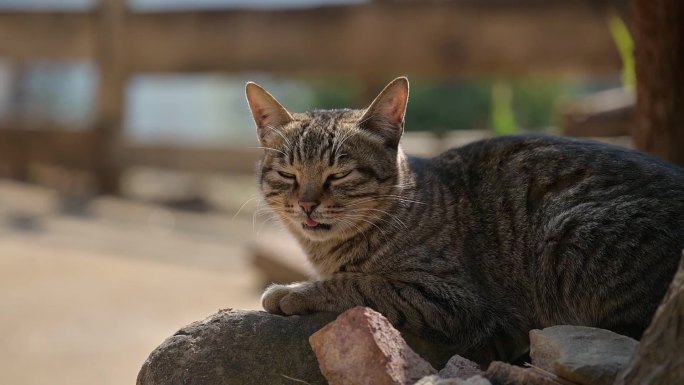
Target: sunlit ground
86 295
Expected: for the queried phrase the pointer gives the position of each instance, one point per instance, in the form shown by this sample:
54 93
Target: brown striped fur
477 245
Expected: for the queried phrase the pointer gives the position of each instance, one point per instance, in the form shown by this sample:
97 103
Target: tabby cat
477 245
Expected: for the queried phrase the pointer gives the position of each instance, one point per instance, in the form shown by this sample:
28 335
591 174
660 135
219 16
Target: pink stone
361 347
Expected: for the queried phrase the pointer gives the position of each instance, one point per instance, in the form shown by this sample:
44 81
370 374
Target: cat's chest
354 261
347 257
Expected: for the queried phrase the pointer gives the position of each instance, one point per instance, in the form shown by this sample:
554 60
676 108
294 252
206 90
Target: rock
434 379
475 380
501 373
437 380
361 347
459 367
585 355
659 360
252 347
237 347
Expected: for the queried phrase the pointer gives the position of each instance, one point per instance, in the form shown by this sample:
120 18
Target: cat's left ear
268 113
385 116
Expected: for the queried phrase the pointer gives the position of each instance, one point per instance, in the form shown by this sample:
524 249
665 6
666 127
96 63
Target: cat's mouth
313 225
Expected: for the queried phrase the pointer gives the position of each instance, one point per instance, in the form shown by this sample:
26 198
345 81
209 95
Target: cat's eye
338 175
286 175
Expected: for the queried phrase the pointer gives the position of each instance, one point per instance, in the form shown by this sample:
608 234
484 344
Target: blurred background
128 204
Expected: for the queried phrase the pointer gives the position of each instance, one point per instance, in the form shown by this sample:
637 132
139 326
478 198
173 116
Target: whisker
382 198
400 197
348 134
261 227
243 206
355 227
270 148
276 130
363 218
394 226
394 217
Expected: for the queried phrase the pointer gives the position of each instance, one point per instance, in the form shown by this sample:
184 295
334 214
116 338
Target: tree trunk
660 357
659 44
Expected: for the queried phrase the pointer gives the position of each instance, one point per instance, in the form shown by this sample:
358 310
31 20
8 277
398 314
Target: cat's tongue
311 223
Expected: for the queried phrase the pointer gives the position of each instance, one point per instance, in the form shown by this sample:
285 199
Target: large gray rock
585 355
252 347
237 347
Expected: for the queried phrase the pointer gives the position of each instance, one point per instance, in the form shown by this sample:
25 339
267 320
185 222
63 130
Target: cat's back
545 154
539 168
592 232
545 182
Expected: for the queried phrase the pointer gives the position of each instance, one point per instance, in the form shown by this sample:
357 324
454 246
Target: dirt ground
87 291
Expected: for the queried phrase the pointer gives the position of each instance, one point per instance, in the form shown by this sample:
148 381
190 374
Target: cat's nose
308 206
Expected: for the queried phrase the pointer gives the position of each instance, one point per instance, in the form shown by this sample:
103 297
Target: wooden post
111 18
17 144
659 44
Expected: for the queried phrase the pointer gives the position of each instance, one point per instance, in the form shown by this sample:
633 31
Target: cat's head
330 174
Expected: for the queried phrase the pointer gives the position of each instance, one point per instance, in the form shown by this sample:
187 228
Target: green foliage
506 107
335 95
503 118
520 105
535 102
447 106
625 45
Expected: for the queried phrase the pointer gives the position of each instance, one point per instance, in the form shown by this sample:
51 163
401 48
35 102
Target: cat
477 245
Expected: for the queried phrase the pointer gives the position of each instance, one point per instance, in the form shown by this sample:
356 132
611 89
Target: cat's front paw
285 299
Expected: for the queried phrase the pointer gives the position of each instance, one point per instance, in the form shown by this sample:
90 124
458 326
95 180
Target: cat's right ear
267 112
385 116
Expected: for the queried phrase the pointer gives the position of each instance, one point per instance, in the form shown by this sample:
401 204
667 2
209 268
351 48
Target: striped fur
479 244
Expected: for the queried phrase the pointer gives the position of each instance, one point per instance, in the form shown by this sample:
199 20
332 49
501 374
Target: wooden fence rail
372 42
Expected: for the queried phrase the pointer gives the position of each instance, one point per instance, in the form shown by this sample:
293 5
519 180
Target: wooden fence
370 42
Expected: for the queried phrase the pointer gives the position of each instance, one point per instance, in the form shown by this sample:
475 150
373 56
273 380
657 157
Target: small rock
459 367
437 380
361 347
475 380
501 373
585 355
